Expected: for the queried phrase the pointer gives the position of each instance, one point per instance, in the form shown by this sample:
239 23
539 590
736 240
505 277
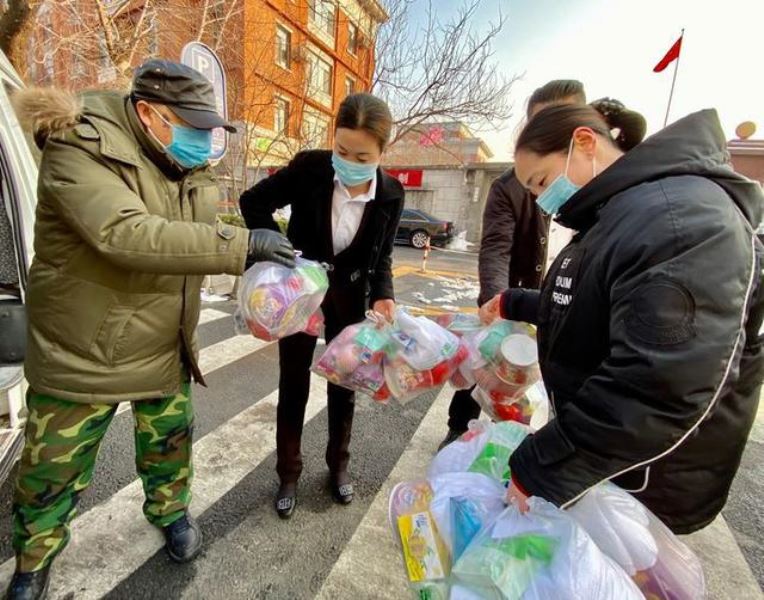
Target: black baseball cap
184 90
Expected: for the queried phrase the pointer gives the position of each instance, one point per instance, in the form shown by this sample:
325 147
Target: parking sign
202 58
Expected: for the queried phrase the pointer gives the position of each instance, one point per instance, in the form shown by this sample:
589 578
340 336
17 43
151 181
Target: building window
352 39
283 110
321 14
283 47
322 133
320 76
315 129
349 86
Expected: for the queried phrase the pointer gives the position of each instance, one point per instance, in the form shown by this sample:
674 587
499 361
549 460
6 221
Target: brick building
289 63
748 158
297 61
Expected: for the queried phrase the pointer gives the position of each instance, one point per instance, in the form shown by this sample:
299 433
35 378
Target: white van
18 185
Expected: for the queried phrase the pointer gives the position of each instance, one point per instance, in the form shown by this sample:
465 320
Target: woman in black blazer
345 212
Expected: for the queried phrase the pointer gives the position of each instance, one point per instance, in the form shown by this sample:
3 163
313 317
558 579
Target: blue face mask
561 189
352 173
190 148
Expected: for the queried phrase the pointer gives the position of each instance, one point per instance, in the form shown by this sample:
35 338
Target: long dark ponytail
552 128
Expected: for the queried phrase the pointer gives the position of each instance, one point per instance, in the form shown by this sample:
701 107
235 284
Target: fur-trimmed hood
44 111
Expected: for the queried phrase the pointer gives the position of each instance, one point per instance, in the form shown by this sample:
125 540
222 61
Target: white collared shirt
347 213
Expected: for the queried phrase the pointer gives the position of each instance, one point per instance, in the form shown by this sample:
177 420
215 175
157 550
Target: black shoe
183 539
342 489
286 500
29 586
450 438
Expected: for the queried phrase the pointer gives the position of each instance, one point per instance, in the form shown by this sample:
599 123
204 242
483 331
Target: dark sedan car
416 226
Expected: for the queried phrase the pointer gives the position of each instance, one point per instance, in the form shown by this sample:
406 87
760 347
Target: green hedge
238 221
230 219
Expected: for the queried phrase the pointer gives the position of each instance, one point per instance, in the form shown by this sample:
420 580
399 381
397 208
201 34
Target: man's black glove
267 245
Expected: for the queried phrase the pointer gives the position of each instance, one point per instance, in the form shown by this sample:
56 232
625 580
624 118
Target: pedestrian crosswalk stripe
208 315
113 539
228 351
370 560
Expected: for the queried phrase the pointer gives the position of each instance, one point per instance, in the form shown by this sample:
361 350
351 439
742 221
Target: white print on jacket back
562 286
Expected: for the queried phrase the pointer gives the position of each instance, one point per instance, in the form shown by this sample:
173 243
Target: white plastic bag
462 504
276 302
423 343
464 377
543 554
425 356
485 448
624 529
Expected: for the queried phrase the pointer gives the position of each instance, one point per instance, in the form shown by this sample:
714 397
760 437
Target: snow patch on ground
452 292
459 242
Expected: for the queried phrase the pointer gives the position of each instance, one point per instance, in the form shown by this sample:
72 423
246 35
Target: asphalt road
249 552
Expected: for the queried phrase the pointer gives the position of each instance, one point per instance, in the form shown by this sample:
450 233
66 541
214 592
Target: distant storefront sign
410 178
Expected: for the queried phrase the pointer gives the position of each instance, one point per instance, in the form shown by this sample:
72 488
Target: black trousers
462 410
342 307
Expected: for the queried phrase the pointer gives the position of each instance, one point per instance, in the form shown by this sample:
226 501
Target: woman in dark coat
648 322
345 212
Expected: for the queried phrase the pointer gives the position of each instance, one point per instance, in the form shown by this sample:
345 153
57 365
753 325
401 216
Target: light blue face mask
561 189
352 173
190 148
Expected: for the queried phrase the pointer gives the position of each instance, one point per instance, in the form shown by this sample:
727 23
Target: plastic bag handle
376 317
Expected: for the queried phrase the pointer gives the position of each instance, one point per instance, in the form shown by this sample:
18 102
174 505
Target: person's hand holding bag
386 308
267 245
491 310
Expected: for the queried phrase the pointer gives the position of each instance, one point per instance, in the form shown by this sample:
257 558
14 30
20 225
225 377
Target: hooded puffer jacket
122 241
649 330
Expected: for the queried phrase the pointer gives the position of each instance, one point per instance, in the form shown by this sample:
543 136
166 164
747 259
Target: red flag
670 57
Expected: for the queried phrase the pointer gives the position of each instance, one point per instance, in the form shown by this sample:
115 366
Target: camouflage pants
62 442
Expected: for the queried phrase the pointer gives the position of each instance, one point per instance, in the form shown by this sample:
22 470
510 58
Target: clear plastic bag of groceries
503 365
542 554
628 532
424 356
464 377
425 554
354 359
510 348
485 449
462 504
276 302
501 407
459 323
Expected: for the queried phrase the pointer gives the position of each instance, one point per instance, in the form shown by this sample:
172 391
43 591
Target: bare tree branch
440 70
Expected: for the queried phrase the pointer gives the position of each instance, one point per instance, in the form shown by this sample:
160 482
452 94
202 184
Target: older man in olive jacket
125 233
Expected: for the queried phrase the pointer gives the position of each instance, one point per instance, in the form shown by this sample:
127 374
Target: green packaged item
490 344
493 458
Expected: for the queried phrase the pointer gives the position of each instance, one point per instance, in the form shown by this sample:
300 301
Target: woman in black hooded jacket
648 322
